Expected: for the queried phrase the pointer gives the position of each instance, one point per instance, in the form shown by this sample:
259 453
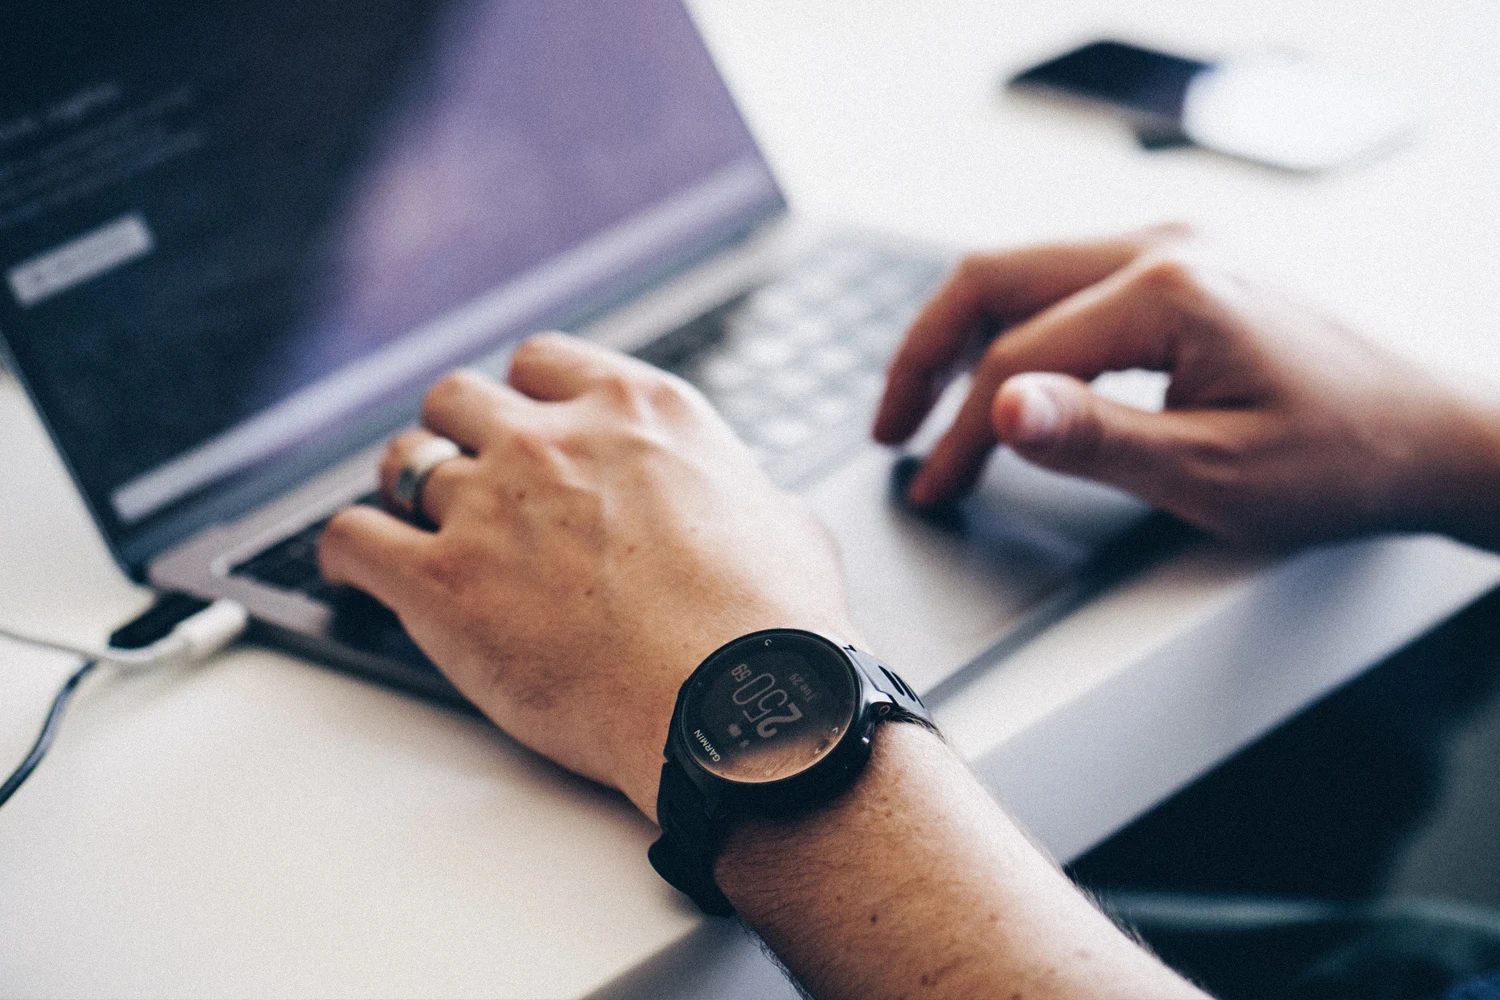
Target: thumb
1059 423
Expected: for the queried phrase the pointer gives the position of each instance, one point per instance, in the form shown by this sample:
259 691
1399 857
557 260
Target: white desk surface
260 826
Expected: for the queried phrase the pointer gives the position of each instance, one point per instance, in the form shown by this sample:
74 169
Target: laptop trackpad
932 592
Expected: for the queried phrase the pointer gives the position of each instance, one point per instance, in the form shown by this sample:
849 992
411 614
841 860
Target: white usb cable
196 637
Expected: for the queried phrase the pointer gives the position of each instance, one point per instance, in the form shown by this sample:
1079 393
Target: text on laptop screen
228 228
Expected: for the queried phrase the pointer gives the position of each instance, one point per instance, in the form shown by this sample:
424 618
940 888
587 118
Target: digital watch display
772 722
769 708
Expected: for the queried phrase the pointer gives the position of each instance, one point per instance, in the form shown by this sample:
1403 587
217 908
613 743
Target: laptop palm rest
933 591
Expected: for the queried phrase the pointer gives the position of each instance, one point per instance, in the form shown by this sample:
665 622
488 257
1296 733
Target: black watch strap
908 706
691 838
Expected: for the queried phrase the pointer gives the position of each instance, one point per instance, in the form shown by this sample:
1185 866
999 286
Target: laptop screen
229 231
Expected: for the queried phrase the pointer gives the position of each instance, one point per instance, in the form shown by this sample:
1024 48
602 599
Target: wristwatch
771 724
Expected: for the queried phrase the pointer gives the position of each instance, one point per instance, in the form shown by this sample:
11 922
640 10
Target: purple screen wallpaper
209 212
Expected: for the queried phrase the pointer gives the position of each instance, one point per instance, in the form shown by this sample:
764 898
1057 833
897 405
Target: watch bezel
815 783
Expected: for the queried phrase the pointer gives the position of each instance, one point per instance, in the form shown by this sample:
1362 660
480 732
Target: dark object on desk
49 730
1149 87
169 610
1272 108
1153 138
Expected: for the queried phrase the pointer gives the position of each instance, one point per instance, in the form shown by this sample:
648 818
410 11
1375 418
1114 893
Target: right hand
1280 426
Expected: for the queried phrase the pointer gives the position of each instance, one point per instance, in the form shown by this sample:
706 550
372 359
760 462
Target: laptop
240 240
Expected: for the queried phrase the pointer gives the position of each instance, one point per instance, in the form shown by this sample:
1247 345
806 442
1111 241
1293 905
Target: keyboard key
880 338
292 563
851 310
772 305
829 411
767 353
722 372
809 330
865 385
834 360
745 408
783 433
796 384
816 287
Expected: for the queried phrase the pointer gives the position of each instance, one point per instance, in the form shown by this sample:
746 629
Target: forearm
915 883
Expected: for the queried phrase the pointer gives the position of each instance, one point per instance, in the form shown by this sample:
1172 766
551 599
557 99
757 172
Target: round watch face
768 707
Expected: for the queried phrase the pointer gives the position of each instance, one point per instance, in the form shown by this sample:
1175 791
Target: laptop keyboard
795 366
292 563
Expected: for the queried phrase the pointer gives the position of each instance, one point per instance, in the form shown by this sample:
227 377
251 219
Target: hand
1280 425
603 533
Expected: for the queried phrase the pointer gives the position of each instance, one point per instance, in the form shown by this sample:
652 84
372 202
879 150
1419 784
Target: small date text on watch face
769 709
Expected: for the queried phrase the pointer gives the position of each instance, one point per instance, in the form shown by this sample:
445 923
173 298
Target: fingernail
1041 414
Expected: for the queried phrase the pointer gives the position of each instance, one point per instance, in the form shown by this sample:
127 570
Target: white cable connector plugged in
195 638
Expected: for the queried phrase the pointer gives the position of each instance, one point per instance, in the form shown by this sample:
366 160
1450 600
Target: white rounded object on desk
1289 112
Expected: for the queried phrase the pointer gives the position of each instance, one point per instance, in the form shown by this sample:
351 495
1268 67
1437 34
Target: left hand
602 534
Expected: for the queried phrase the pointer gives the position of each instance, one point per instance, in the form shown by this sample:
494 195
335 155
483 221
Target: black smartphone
1272 107
1149 86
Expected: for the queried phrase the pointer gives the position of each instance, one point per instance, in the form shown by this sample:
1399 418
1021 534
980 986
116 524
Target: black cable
49 730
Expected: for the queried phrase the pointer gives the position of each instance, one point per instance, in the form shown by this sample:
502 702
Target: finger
554 367
375 552
443 481
1058 422
1001 287
1119 323
470 409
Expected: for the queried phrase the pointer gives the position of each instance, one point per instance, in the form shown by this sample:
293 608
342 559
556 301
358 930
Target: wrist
1454 490
762 853
639 755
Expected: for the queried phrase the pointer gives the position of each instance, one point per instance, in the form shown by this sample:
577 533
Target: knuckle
341 531
532 349
546 339
525 354
970 274
532 445
1220 454
451 384
444 480
538 350
971 267
670 396
405 442
449 567
1168 273
994 366
624 391
1214 465
645 440
448 390
1171 231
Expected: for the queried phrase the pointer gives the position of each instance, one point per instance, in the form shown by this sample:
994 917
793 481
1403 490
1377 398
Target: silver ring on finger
407 493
